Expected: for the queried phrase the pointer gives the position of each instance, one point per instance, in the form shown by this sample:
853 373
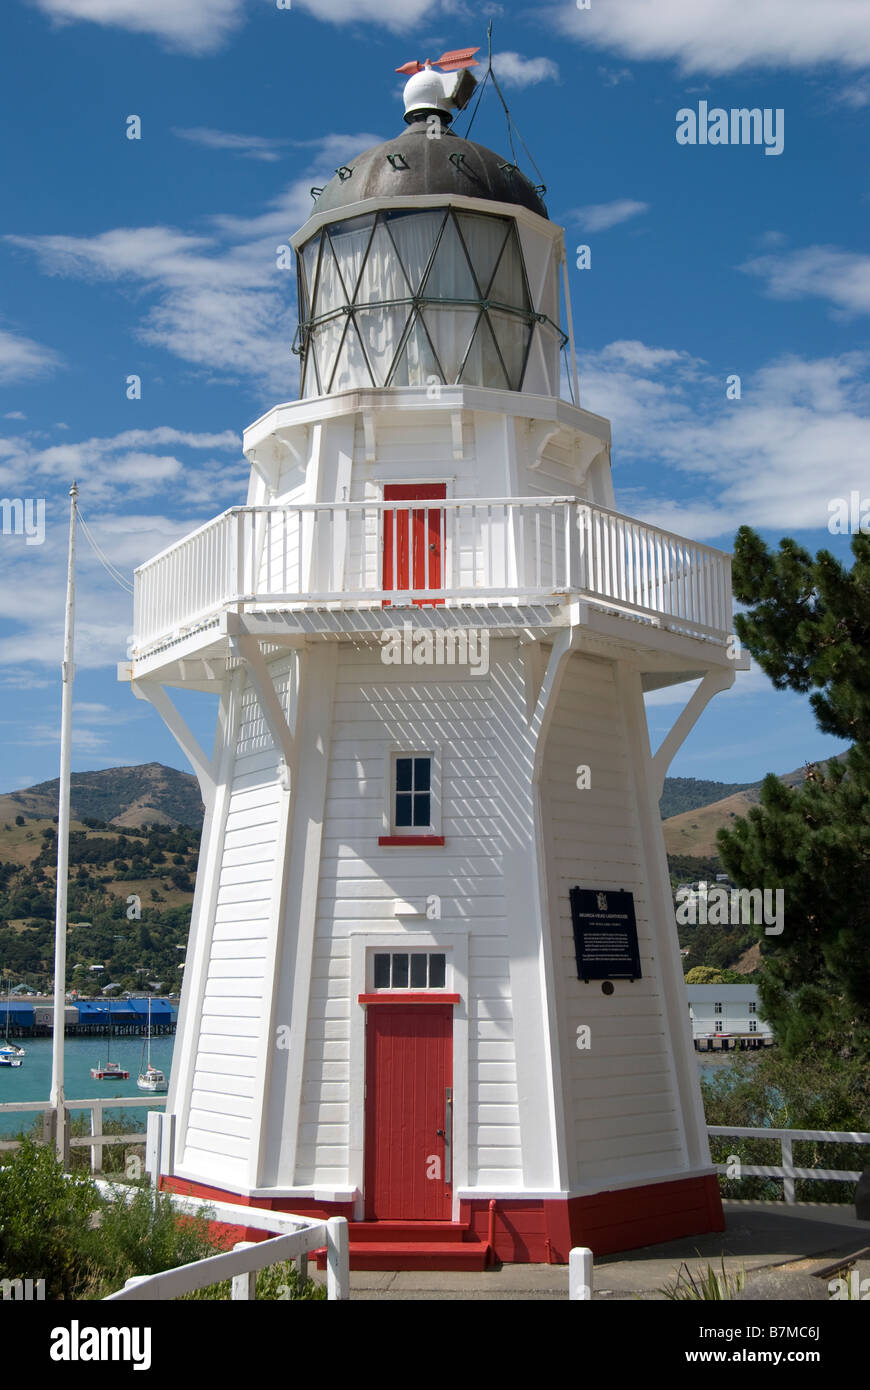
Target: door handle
448 1133
440 1133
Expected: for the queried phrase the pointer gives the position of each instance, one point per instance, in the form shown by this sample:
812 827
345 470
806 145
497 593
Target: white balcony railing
489 549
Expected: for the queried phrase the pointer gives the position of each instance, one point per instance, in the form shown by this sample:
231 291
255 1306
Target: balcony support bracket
202 765
713 682
249 651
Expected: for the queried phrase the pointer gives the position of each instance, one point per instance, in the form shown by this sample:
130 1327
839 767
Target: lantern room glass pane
450 276
509 285
512 335
450 331
330 287
351 369
350 241
414 235
381 332
382 276
483 367
484 237
309 271
417 363
327 340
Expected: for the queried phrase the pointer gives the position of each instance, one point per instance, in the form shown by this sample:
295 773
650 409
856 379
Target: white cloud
723 36
820 272
202 27
248 146
799 437
15 415
219 301
856 94
191 26
599 217
22 359
513 70
611 77
116 467
751 682
397 15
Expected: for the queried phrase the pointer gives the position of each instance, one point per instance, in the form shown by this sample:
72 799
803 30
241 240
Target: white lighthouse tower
433 981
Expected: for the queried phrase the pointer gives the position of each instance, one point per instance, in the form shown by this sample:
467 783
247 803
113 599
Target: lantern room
405 279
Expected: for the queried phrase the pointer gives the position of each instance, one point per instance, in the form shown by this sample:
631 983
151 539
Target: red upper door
409 1073
414 539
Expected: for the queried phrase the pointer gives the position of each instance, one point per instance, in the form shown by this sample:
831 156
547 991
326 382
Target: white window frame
398 750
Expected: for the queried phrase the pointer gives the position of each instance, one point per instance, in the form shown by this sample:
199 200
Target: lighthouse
433 979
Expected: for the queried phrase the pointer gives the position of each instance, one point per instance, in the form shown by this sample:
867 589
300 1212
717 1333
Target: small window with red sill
414 813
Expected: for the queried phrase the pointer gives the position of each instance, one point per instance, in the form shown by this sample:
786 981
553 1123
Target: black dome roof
446 165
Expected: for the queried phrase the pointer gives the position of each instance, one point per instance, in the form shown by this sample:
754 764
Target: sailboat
11 1055
150 1078
112 1071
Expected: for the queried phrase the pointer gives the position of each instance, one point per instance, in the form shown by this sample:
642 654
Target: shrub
44 1219
142 1236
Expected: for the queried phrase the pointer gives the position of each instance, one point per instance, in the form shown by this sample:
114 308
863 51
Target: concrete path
781 1249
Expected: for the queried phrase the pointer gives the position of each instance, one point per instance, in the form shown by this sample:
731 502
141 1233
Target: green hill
687 793
149 794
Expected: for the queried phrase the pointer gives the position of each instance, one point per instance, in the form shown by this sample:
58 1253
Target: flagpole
68 673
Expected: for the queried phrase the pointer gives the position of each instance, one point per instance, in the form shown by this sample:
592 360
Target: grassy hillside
130 895
687 793
693 830
145 795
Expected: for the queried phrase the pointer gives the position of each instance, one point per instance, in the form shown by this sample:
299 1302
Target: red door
409 1070
414 539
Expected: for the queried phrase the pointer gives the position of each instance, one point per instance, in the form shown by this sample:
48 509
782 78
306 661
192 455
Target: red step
406 1232
420 1245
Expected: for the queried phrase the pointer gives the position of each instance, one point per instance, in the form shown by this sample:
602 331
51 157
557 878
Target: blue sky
157 257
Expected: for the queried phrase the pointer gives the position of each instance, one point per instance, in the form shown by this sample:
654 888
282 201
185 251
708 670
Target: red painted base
526 1231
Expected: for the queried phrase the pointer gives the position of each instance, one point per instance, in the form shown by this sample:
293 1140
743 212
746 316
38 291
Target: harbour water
32 1080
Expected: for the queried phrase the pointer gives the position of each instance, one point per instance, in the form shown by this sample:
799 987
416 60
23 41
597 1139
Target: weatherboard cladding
225 1076
376 707
620 1090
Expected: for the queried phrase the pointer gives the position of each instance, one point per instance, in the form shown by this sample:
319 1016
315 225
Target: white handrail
366 552
786 1170
247 1258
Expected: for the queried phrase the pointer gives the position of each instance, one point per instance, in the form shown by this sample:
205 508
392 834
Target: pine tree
808 627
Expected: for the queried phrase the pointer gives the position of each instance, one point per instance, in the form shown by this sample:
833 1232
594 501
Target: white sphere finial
443 92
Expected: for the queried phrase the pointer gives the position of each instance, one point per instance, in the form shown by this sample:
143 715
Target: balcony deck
486 552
